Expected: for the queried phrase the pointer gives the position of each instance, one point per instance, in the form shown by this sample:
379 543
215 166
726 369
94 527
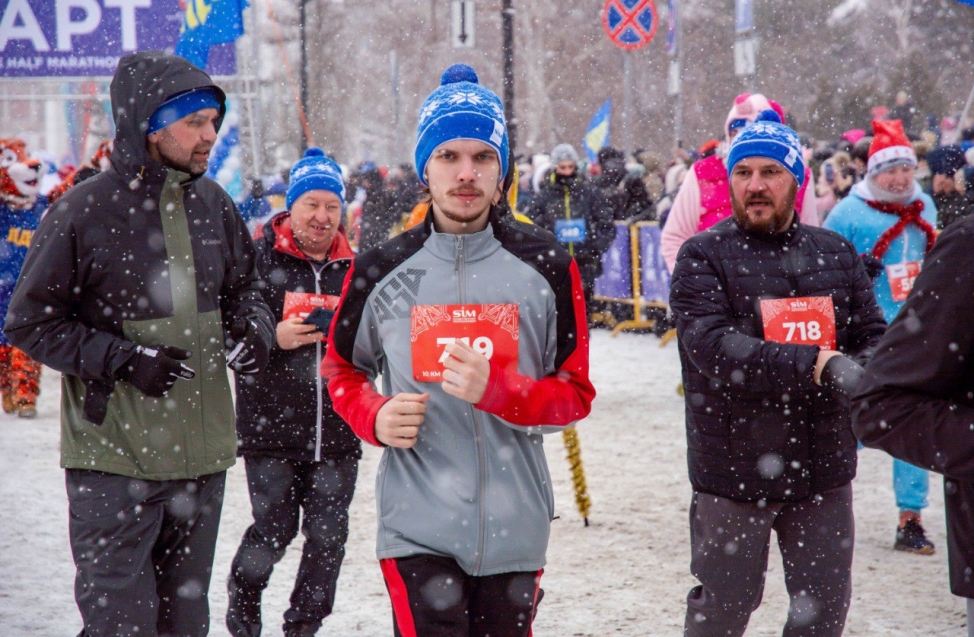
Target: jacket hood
144 81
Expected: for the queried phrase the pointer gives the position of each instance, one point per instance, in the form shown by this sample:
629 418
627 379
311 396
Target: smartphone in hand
320 318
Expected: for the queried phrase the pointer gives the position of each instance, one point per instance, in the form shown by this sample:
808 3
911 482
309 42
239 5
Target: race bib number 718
490 329
807 320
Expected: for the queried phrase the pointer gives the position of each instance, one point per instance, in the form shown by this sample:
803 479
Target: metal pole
678 115
394 80
967 108
304 64
751 88
626 101
253 99
507 22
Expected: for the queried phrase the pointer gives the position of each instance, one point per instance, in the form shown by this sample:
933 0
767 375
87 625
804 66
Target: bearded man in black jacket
767 312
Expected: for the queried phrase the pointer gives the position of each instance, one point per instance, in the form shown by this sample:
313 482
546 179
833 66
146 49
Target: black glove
842 374
154 370
246 351
874 267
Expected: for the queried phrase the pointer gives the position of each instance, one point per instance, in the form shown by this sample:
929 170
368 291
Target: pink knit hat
746 107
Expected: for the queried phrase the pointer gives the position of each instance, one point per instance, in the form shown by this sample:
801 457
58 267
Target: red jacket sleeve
353 395
559 398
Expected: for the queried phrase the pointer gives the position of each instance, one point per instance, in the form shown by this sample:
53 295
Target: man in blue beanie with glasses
140 287
477 324
770 314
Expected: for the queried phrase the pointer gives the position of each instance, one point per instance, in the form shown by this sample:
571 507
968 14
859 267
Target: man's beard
464 217
779 220
168 150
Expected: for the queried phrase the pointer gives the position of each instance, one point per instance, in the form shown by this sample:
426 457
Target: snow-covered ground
626 574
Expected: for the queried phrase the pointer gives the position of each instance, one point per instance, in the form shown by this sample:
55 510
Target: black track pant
280 490
144 552
729 555
433 597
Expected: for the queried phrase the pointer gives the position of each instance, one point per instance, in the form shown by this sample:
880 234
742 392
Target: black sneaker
243 612
912 539
301 630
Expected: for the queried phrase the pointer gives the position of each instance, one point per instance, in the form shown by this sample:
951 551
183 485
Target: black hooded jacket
140 254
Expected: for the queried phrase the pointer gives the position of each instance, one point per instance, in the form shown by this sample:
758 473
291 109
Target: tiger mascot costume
21 208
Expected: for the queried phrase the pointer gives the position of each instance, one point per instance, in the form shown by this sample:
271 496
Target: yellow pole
574 448
637 297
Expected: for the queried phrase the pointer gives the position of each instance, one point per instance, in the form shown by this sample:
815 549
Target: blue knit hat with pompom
461 108
767 137
314 171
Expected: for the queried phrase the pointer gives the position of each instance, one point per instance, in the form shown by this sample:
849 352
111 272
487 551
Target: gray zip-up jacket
475 487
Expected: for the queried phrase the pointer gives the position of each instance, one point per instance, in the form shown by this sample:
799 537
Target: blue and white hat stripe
314 171
460 108
767 137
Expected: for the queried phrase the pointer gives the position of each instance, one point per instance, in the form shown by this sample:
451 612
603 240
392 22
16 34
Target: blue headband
178 107
736 124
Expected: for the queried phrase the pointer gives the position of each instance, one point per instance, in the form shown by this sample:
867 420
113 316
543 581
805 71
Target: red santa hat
889 147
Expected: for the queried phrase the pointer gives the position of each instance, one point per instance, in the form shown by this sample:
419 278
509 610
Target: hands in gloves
154 370
247 353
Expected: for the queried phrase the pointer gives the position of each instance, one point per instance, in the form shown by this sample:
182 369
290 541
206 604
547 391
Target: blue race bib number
570 230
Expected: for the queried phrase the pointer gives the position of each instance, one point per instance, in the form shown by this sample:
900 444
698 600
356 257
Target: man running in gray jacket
477 324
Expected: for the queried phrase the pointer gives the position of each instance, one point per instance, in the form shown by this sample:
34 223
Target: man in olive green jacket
136 282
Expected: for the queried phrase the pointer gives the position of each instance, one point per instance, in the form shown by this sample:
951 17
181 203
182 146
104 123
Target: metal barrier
634 273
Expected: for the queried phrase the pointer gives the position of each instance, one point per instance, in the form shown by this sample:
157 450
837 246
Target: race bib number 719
490 329
807 320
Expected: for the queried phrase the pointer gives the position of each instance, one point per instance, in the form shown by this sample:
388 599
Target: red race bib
491 329
808 320
901 277
300 304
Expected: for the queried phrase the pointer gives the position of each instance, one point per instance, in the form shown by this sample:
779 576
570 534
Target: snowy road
626 574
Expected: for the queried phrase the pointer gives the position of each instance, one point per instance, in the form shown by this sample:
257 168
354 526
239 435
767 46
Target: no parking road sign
630 24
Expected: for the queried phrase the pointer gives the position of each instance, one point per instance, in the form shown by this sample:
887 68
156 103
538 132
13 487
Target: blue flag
597 134
969 3
209 22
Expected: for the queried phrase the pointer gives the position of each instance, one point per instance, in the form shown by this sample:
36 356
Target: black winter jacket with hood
285 411
146 255
758 427
916 401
